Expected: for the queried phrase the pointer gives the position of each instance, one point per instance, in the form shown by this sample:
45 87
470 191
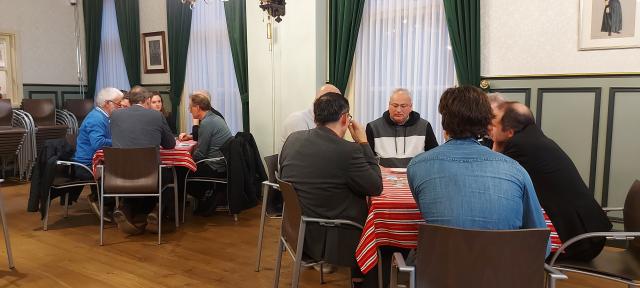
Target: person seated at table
558 184
196 122
466 185
125 100
400 134
332 177
213 134
93 135
139 127
158 104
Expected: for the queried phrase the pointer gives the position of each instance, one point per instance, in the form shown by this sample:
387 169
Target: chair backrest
131 170
79 107
43 111
272 167
6 113
291 214
452 257
631 215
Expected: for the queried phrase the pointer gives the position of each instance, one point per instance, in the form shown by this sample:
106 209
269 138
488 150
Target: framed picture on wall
609 24
3 54
154 52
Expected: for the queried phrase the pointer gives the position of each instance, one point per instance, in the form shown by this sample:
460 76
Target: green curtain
179 30
127 13
92 12
463 20
236 16
344 24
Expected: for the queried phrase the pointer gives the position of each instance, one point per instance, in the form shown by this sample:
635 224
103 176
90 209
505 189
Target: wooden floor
205 252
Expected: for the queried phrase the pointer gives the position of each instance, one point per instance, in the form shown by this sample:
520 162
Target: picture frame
154 52
609 24
3 54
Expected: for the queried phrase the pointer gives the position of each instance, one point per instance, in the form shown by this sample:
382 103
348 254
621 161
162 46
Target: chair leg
159 217
101 218
5 230
265 194
321 273
278 262
184 197
66 205
380 284
299 252
176 203
235 217
46 213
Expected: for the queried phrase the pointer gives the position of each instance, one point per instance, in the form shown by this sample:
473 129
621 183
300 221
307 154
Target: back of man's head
327 88
329 107
466 112
200 98
107 94
516 116
138 95
496 99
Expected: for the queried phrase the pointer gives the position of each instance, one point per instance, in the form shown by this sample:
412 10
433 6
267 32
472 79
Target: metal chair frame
5 231
66 195
207 180
263 215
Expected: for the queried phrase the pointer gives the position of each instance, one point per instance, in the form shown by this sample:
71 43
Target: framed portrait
154 52
3 54
609 24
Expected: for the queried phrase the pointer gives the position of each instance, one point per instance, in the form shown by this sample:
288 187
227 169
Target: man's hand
184 137
357 132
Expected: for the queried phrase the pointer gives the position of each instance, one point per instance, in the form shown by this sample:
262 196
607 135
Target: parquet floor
205 252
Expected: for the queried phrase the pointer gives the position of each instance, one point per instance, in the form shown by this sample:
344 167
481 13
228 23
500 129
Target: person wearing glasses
94 134
400 134
332 177
558 184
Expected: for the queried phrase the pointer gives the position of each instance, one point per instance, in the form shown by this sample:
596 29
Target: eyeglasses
117 104
348 115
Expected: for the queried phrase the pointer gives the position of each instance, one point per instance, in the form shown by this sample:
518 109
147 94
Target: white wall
153 18
286 81
46 42
541 37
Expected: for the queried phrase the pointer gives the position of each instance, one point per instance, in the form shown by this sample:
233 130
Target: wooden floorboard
205 252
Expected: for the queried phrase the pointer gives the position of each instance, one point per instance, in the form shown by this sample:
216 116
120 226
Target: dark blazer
561 191
137 127
332 177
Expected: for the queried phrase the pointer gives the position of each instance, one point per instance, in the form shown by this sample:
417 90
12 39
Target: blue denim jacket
466 185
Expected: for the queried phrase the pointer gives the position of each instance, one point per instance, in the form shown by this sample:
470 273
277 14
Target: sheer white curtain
111 69
402 44
210 65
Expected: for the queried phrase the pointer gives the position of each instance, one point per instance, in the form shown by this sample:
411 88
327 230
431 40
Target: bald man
559 187
303 120
400 134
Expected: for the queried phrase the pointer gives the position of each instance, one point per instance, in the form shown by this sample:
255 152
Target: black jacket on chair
245 172
561 191
45 171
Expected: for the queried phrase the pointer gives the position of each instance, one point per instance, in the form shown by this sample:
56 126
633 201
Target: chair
293 229
5 230
453 257
79 108
272 167
617 265
11 138
206 179
122 177
43 112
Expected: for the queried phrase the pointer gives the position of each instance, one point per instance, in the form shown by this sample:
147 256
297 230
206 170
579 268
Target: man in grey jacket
400 134
139 127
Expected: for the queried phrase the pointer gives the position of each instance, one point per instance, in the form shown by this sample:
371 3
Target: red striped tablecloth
393 221
178 156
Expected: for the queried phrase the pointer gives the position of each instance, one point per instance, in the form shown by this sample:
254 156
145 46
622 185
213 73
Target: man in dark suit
560 188
332 177
139 127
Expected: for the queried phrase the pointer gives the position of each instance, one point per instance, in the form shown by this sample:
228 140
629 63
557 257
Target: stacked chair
43 112
64 117
11 138
27 152
79 108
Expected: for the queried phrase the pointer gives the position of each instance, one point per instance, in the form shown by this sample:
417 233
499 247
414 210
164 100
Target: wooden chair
122 177
617 265
79 108
453 257
43 112
271 183
293 229
11 138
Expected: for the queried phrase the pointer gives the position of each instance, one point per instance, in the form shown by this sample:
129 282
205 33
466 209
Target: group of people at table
136 119
496 170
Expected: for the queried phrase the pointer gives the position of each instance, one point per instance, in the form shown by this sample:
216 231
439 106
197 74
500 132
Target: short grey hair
401 90
107 94
496 98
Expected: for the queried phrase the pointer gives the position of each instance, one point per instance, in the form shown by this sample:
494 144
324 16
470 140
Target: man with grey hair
495 99
400 134
94 134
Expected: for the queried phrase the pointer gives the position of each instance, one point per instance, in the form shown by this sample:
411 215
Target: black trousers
145 205
82 174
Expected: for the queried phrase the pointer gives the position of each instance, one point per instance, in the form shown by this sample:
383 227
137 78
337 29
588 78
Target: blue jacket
465 185
93 135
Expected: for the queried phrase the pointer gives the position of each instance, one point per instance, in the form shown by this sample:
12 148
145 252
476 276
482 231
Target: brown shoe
152 223
123 220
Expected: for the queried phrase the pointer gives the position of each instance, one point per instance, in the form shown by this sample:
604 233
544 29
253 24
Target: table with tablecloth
393 221
179 156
